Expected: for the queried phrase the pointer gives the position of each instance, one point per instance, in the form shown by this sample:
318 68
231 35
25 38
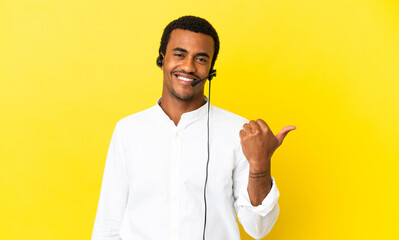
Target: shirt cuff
267 204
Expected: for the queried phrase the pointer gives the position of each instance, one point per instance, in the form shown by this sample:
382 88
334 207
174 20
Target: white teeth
185 79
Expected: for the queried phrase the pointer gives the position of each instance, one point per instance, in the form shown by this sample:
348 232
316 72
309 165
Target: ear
163 57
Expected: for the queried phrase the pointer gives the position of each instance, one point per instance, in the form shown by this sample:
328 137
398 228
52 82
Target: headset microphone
210 76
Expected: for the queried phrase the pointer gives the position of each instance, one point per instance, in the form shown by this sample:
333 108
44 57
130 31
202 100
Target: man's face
188 58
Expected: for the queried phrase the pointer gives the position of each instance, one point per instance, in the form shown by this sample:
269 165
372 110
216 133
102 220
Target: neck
174 107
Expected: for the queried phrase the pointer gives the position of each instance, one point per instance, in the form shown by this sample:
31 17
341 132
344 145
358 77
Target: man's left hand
259 143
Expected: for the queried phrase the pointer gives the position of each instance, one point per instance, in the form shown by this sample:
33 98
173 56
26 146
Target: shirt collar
187 117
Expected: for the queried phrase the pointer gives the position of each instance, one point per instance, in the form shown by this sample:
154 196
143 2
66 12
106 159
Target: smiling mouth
185 79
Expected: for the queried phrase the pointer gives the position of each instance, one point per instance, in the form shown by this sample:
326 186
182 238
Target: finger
255 126
263 125
281 135
247 128
242 133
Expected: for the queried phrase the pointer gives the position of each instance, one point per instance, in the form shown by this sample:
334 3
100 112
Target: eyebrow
180 49
203 54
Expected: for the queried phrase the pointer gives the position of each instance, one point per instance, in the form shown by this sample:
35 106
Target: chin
183 97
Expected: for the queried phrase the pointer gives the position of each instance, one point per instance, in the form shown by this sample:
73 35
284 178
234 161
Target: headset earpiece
159 60
212 74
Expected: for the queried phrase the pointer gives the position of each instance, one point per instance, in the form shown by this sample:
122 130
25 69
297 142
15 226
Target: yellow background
69 70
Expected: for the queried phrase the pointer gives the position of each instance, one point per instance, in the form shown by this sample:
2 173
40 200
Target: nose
188 65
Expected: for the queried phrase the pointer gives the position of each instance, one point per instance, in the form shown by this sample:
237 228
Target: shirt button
177 134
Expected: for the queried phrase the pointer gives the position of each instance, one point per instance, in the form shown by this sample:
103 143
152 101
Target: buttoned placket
175 185
175 162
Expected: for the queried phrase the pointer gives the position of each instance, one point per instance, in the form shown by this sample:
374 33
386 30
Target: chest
179 158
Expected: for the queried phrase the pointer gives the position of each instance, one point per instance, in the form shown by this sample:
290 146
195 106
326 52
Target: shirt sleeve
257 221
114 193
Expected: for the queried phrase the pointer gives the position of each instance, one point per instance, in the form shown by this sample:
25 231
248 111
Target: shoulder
226 123
137 119
223 116
225 127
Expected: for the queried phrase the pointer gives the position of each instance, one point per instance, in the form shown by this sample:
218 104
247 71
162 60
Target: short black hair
194 24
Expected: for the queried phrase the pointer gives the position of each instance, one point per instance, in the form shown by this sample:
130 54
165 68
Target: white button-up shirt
154 178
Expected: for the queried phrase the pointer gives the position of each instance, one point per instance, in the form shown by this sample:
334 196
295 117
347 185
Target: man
156 165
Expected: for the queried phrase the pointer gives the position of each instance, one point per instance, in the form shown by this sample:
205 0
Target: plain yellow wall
69 70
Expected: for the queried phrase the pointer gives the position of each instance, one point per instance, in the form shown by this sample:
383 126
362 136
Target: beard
181 97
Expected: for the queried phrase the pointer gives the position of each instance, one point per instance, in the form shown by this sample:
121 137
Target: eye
202 59
179 55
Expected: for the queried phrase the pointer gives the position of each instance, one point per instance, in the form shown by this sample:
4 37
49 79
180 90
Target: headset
211 75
